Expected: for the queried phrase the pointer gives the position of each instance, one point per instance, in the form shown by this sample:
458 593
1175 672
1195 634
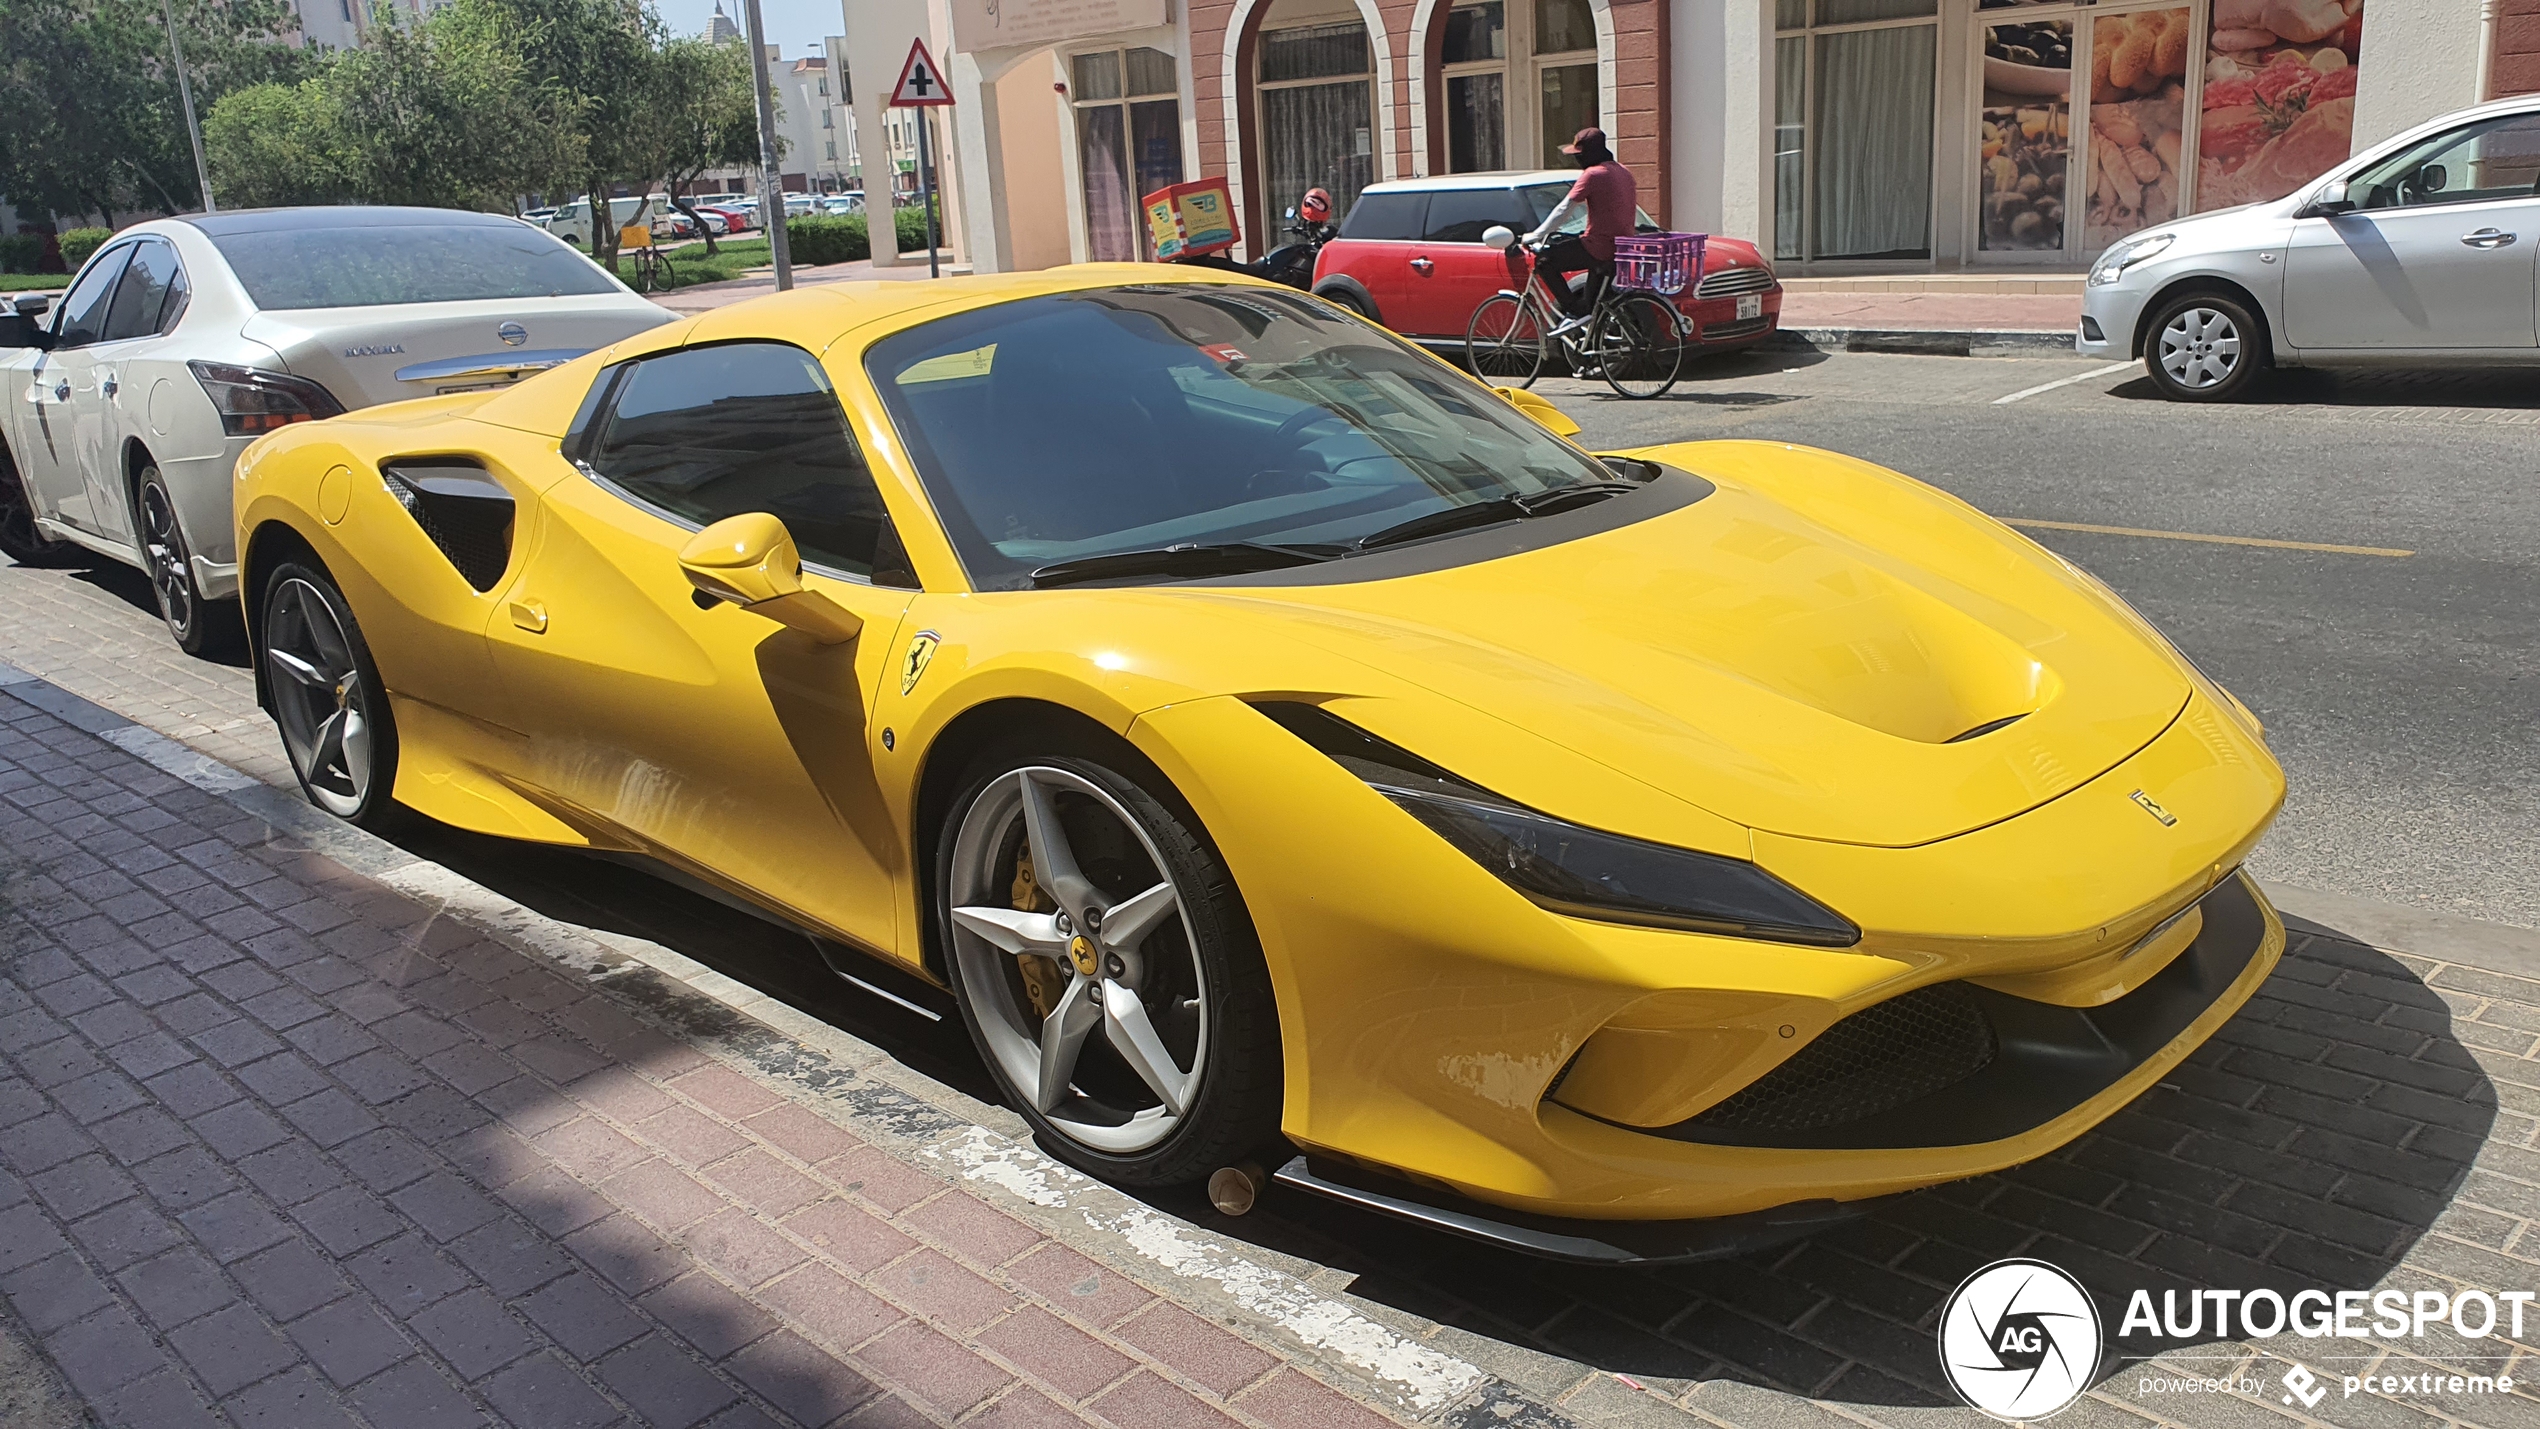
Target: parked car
1410 255
572 222
540 217
184 339
735 218
841 205
1262 733
2416 253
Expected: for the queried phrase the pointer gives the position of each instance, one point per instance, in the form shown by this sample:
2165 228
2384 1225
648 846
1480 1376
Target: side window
83 318
1461 215
2498 158
151 295
710 432
1395 216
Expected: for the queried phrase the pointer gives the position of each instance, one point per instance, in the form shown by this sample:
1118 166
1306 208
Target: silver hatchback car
2422 251
184 339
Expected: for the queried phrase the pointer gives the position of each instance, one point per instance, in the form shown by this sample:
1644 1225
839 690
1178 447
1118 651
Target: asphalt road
2401 692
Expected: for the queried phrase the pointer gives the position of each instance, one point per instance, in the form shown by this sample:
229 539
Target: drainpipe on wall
2487 20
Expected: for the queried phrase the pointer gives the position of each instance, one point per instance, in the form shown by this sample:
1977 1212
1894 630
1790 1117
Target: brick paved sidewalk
287 1143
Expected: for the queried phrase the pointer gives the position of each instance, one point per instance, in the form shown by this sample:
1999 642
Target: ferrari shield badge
921 649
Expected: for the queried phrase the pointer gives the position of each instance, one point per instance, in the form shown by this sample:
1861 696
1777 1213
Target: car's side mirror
2330 199
1499 235
33 305
21 329
1552 419
750 561
2432 178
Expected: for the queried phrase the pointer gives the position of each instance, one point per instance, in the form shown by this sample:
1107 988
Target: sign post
922 87
771 183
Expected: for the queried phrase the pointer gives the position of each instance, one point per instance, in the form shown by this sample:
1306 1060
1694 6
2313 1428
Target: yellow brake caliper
1043 980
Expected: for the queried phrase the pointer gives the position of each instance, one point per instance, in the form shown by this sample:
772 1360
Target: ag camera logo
2019 1340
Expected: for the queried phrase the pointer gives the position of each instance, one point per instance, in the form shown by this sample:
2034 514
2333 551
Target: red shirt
1612 202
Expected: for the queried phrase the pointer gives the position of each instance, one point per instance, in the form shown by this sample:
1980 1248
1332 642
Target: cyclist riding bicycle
1611 197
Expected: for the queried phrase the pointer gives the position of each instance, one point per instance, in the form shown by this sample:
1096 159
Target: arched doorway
1509 82
1316 112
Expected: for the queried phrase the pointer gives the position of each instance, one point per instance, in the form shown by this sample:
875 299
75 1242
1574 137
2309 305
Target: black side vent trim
466 513
1876 1060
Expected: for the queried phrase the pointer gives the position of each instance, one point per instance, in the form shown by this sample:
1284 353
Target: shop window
1316 86
1128 143
1852 129
1519 79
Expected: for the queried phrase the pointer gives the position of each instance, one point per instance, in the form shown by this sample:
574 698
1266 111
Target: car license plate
1750 305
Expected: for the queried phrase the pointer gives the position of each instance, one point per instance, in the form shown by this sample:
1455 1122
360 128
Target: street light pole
185 96
771 184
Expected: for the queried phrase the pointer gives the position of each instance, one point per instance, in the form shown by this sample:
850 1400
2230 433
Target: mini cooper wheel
203 628
1107 970
327 698
2203 348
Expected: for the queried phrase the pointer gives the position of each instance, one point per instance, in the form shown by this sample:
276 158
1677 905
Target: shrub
910 224
78 243
21 252
823 238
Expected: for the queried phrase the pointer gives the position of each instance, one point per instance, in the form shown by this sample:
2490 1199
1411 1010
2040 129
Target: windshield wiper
1491 513
1186 558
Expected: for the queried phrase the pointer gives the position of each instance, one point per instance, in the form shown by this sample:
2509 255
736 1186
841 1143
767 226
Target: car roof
1495 179
284 220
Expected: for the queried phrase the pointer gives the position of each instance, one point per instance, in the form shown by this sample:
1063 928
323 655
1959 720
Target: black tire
204 628
2203 347
1343 297
1640 346
20 541
1503 342
301 706
1235 1108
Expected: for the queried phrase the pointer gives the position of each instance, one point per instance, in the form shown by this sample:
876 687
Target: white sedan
184 339
2419 252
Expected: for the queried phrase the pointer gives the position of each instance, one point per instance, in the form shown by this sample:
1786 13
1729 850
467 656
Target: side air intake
466 513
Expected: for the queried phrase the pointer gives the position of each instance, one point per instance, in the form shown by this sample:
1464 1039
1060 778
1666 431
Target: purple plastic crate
1663 263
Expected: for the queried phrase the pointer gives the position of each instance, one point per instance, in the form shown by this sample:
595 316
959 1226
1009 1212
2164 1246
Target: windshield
373 265
1128 419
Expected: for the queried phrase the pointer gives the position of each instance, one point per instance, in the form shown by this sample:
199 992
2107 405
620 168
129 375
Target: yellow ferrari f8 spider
1278 742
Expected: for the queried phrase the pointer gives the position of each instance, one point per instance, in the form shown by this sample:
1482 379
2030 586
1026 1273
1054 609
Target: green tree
270 145
89 118
701 116
599 55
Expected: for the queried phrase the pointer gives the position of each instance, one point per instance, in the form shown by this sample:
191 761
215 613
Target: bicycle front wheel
1503 345
1640 345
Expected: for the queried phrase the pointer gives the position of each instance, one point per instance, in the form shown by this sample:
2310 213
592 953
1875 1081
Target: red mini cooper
1410 255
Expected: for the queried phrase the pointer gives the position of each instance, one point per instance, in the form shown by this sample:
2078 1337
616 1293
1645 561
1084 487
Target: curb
1927 342
1378 1356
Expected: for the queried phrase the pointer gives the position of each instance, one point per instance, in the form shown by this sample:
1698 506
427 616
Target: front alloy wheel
326 698
2203 349
1107 972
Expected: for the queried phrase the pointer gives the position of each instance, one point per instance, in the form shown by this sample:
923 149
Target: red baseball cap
1589 139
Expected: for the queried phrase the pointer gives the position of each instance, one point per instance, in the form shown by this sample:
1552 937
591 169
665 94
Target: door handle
1423 264
108 386
2490 238
530 615
61 391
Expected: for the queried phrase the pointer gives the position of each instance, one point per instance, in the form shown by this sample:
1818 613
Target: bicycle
652 269
1633 338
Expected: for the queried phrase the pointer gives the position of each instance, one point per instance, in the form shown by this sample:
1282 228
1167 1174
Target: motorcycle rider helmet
1315 207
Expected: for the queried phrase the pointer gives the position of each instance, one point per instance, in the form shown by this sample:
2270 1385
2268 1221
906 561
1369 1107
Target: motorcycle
1290 263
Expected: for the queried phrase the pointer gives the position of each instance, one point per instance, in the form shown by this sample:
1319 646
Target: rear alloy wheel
2203 349
327 698
208 629
20 539
1107 971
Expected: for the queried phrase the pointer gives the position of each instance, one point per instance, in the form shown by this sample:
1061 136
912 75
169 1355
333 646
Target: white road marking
2112 367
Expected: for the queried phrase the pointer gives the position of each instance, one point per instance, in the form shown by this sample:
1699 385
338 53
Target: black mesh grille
1877 1059
465 512
1722 332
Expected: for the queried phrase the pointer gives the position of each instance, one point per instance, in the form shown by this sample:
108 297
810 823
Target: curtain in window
1873 140
1475 122
1155 145
1790 146
1102 153
1317 134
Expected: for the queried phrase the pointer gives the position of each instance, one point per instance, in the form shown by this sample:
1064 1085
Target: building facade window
1853 96
1519 79
1315 86
1128 143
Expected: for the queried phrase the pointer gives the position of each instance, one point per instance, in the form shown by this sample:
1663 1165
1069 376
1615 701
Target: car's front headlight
1569 869
2121 256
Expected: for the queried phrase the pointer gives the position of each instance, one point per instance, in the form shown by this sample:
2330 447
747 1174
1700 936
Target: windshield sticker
951 366
1225 353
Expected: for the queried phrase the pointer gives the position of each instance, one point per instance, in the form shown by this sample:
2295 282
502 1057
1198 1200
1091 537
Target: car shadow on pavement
2310 1145
133 588
2497 388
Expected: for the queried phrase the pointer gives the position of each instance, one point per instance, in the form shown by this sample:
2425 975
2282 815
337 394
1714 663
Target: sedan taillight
252 401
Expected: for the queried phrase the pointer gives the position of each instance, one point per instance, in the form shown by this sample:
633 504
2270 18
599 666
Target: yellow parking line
2216 540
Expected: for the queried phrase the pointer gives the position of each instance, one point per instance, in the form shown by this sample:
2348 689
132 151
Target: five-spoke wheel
1107 971
326 697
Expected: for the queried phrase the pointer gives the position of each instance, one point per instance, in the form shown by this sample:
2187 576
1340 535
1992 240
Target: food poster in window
2279 98
2025 136
2138 118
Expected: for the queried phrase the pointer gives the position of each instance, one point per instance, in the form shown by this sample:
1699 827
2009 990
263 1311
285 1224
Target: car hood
1808 651
356 353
